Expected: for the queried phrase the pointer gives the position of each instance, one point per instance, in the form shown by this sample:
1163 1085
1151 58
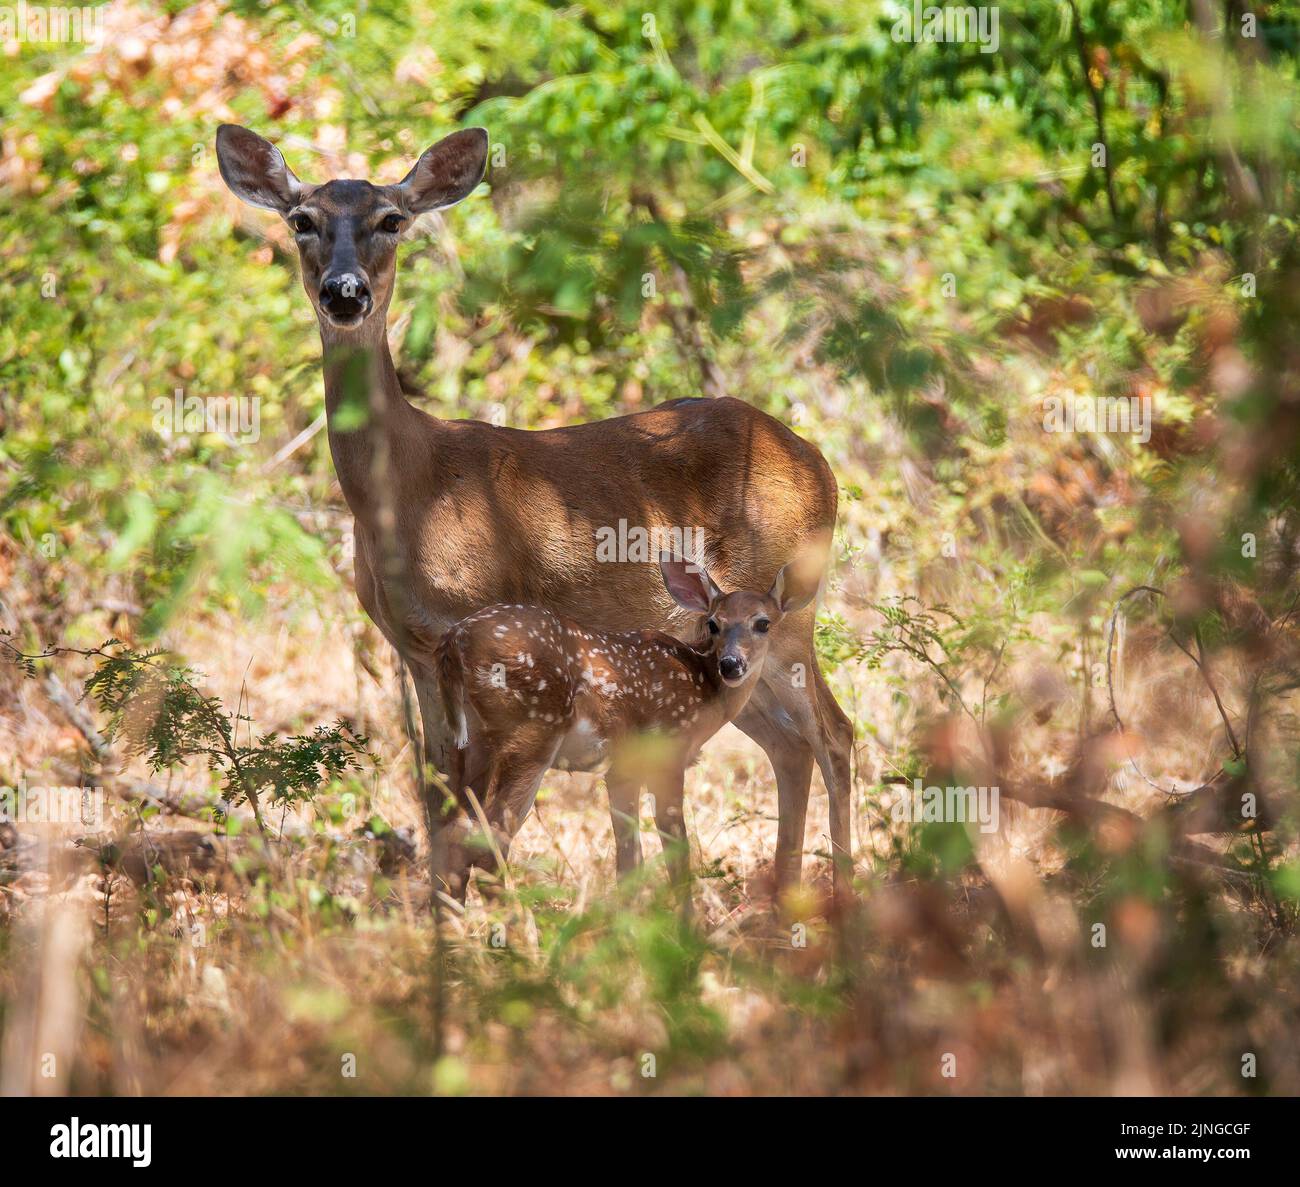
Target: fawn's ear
795 586
447 172
255 171
691 587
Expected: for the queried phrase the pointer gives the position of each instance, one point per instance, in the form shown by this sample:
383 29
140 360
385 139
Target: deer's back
506 515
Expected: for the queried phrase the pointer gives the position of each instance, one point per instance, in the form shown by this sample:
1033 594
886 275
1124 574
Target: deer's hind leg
832 746
624 814
668 788
513 776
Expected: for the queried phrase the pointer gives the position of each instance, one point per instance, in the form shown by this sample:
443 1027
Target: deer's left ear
690 586
447 172
794 588
255 171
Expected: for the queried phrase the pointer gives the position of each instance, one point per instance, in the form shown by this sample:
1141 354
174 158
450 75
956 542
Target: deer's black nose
345 296
732 667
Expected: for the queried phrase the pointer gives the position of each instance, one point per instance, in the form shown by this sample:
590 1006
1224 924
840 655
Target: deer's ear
795 586
255 171
447 172
690 586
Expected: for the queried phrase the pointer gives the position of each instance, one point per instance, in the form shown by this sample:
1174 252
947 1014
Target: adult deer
452 516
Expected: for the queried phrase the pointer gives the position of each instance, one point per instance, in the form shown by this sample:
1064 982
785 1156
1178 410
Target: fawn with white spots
527 690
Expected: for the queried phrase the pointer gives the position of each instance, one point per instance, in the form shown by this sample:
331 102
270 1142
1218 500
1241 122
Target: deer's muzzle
732 668
345 298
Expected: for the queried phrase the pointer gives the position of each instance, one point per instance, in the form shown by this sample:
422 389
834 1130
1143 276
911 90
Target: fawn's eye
713 627
761 625
302 225
392 223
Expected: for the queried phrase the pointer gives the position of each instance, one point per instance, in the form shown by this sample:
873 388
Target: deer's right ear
795 586
255 171
690 586
447 172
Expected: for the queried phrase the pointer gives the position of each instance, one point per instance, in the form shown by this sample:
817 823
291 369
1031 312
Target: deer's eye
392 223
713 627
761 626
302 225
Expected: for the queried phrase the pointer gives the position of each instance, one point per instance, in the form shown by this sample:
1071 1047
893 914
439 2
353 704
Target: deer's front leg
624 814
668 789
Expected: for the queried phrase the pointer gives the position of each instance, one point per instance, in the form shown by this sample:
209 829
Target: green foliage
155 710
793 178
936 639
900 249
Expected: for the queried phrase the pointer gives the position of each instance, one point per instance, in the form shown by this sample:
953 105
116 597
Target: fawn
527 690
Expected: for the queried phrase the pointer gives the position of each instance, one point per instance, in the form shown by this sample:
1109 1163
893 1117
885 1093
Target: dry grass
320 978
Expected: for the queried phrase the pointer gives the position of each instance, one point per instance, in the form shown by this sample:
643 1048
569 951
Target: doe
527 689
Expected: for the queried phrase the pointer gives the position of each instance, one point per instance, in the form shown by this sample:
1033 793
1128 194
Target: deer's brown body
452 516
488 514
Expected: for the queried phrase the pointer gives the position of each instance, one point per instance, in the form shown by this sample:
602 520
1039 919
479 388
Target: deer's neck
370 422
732 700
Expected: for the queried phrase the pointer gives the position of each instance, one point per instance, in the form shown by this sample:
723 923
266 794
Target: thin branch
1200 667
1098 107
287 451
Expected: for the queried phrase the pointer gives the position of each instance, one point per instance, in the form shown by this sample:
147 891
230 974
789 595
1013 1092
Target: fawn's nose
732 667
345 297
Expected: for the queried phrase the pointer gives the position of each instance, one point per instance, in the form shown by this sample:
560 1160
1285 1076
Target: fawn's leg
517 773
518 791
624 814
668 789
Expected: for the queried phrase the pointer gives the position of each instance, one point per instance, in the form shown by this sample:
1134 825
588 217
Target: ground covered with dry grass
198 962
